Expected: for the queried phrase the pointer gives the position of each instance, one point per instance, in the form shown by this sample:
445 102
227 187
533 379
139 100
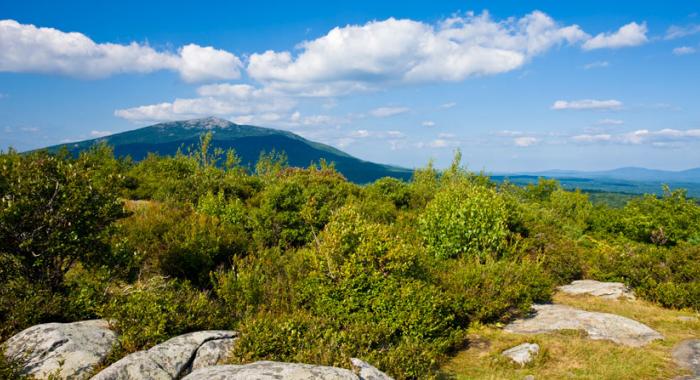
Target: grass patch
570 355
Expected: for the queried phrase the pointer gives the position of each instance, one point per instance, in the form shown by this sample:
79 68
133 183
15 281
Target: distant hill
628 174
247 140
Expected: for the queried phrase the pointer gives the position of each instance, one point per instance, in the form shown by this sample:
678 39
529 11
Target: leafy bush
178 242
496 290
669 276
149 313
55 211
464 219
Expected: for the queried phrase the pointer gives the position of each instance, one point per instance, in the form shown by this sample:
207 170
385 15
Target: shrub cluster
308 266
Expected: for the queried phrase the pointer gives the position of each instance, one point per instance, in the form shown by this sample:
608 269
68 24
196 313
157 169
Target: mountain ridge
248 141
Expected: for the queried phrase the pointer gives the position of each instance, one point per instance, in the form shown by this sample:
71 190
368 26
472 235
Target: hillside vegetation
308 266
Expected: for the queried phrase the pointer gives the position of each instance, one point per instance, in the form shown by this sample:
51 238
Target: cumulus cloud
388 111
428 123
587 104
30 49
632 34
448 105
357 57
675 31
683 50
525 141
243 101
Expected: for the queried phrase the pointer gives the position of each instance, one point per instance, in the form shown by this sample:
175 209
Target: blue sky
515 86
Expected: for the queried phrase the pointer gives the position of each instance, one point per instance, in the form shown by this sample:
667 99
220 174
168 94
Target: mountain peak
210 122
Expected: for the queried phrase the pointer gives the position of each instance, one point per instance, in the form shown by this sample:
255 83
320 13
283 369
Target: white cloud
428 123
592 138
442 143
31 49
675 31
683 50
388 111
525 141
448 105
29 129
508 133
596 65
360 57
632 34
226 100
609 122
100 133
663 137
587 104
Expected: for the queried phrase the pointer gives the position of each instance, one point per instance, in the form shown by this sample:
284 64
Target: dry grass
570 355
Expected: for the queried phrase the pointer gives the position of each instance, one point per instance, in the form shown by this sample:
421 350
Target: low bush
148 313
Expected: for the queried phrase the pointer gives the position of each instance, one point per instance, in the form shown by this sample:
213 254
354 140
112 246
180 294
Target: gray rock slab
266 370
608 290
687 355
171 359
605 326
70 350
213 352
366 371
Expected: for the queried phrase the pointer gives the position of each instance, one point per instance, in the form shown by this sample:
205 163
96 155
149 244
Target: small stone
687 318
522 354
607 290
529 377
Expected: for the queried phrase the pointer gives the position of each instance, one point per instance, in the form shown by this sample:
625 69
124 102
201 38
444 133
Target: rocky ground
592 331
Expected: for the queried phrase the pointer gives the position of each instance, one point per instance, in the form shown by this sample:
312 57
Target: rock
265 370
687 355
606 326
687 318
367 371
70 350
529 377
522 354
608 290
171 359
213 352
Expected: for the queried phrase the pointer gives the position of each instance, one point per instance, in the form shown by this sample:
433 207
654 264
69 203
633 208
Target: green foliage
179 242
148 313
497 290
669 276
662 221
464 218
55 211
296 205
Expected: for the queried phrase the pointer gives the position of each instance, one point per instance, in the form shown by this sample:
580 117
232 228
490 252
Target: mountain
630 180
628 174
247 140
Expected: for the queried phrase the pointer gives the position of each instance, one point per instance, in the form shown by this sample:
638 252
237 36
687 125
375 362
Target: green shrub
149 313
496 290
464 219
669 276
178 242
56 211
